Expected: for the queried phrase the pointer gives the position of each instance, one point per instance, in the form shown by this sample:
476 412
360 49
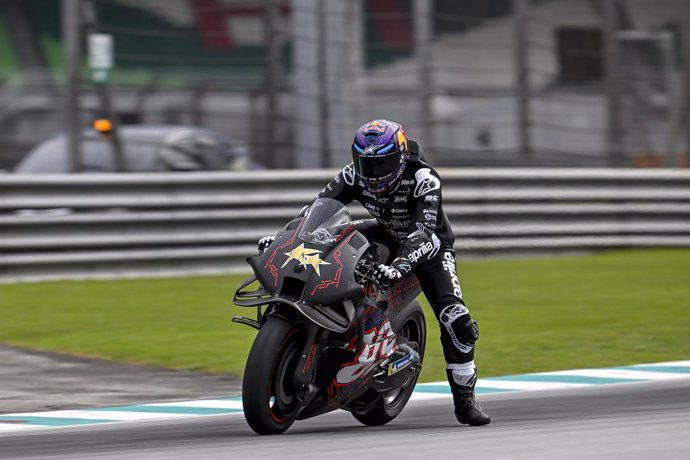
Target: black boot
467 409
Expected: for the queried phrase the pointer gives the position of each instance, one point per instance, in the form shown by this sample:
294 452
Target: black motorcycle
320 346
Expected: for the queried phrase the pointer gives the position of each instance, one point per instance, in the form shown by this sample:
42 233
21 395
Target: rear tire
267 396
389 405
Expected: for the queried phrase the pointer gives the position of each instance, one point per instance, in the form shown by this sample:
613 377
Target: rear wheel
269 401
389 405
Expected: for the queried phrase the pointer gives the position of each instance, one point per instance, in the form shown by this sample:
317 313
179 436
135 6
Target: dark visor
376 166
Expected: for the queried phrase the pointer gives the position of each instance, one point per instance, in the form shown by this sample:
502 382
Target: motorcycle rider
389 177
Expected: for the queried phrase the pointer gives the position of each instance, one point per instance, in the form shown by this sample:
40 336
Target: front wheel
270 404
389 405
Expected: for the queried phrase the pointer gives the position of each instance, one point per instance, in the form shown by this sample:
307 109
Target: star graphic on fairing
306 257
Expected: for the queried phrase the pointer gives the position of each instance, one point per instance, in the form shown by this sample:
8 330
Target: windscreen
324 221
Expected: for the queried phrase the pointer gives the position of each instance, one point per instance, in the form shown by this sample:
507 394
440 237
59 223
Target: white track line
416 396
205 403
102 415
526 386
19 426
621 374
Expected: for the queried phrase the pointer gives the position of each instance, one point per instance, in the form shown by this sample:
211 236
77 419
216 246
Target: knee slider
462 330
471 332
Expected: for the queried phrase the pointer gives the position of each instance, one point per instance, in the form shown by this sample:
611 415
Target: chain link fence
478 82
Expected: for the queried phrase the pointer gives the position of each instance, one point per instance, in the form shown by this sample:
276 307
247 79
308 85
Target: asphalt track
626 421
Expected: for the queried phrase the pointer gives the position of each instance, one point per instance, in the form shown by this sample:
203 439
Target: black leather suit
411 222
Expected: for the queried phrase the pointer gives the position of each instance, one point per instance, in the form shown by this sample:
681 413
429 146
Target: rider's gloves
265 242
386 276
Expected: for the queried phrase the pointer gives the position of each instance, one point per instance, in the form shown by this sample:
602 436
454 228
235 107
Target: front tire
389 405
269 402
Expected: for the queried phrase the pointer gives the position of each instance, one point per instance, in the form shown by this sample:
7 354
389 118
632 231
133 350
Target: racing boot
462 379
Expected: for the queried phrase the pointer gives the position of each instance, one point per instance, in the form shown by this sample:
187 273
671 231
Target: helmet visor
376 166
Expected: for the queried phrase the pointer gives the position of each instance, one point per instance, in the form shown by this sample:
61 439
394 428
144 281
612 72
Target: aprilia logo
428 248
449 266
424 249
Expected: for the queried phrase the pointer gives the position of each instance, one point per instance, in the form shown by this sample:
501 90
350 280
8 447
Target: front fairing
316 274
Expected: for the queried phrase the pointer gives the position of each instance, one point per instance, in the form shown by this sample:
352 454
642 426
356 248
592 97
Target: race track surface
626 421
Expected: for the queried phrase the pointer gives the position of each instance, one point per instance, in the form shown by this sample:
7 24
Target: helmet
379 154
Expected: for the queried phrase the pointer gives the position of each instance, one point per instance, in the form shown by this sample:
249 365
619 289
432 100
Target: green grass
612 308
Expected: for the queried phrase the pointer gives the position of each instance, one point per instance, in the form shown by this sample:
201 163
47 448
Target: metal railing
92 226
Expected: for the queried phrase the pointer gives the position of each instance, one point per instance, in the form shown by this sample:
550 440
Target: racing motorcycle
323 343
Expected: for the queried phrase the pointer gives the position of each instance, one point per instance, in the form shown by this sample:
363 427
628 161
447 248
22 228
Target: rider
389 177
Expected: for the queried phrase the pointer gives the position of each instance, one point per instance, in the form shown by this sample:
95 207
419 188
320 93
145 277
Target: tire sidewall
272 342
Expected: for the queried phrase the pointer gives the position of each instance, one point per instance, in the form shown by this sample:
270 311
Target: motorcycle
323 343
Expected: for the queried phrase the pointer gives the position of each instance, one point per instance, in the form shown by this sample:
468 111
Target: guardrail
92 226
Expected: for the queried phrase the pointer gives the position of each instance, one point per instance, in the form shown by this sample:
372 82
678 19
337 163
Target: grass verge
612 308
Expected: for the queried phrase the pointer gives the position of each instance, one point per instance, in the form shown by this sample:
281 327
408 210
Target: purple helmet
379 154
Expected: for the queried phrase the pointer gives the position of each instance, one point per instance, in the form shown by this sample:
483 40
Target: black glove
386 276
265 242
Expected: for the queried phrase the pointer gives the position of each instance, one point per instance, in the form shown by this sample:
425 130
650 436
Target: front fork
316 335
305 390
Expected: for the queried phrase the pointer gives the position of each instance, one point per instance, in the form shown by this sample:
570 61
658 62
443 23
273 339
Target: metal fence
479 82
93 226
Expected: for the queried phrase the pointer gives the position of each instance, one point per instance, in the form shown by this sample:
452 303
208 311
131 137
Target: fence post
272 42
306 124
71 35
613 90
686 94
323 47
522 83
422 24
89 22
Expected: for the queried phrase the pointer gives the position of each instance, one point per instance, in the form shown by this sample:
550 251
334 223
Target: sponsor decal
429 217
423 249
378 343
400 199
466 380
430 211
399 211
366 192
349 174
376 126
406 182
395 224
447 317
402 363
426 182
448 263
400 235
306 257
337 179
431 199
322 236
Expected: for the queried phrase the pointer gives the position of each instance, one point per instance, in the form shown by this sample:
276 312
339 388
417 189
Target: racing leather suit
411 222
